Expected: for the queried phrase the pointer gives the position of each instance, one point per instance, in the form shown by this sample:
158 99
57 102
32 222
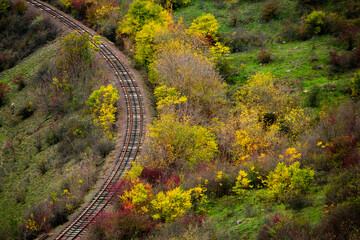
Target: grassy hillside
51 149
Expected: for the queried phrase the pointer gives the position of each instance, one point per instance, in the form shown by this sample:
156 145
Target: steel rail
133 137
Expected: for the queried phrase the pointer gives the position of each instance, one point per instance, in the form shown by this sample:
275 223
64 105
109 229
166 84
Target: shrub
344 187
280 226
4 89
270 9
19 81
174 4
174 144
102 105
264 56
122 225
334 23
19 7
340 63
26 111
284 182
352 9
355 85
241 40
137 198
242 183
313 97
340 222
315 21
171 205
342 152
349 35
152 176
207 26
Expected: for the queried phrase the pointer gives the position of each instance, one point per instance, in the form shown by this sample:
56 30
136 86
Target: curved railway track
134 131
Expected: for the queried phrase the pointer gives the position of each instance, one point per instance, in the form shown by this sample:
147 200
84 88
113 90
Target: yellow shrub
171 205
102 106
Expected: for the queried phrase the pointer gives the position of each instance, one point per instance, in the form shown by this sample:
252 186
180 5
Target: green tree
77 49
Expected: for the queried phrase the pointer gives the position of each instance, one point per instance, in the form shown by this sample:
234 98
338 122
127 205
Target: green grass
304 63
246 217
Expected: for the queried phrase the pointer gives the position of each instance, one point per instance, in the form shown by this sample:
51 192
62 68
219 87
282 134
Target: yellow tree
102 107
172 143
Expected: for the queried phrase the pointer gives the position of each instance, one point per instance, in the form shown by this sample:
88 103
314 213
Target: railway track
133 138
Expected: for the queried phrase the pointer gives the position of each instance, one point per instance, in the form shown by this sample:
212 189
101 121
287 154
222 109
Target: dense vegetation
257 127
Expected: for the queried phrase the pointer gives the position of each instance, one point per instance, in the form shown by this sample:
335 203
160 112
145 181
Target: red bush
121 224
349 36
152 176
4 89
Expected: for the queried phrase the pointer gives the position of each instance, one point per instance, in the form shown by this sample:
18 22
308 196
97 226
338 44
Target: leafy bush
285 182
26 111
242 183
173 144
352 9
315 21
241 40
346 61
313 97
340 222
4 89
102 105
264 56
355 85
19 81
344 187
174 4
171 205
270 9
349 35
280 226
207 26
122 225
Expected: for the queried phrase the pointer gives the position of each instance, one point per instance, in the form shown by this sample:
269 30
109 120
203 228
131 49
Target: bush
4 89
341 63
270 9
334 23
285 182
349 35
313 97
20 8
171 205
264 56
340 222
315 21
19 81
355 85
121 225
352 9
241 40
26 111
344 187
280 226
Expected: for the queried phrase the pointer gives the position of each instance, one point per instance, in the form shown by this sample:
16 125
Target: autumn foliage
102 106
